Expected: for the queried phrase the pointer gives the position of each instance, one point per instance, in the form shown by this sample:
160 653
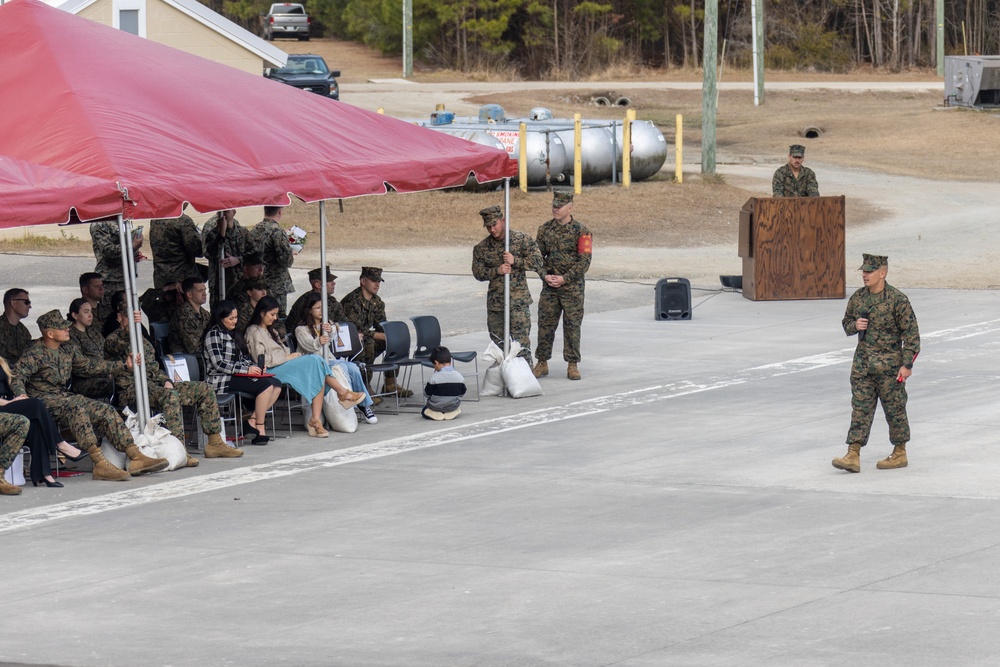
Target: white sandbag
519 379
113 456
337 418
157 441
492 378
15 473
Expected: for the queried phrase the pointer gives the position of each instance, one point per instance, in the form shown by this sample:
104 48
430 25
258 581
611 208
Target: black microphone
260 362
861 334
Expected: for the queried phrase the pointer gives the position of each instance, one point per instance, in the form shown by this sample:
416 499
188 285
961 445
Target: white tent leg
134 329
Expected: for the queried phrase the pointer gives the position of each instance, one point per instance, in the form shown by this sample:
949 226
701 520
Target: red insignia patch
585 244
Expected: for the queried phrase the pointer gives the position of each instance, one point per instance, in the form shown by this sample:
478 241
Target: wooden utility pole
407 39
757 18
939 22
709 58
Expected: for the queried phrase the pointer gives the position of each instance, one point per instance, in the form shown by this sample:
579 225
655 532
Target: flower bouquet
297 238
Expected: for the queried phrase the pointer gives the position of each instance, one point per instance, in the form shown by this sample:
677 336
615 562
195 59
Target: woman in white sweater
307 374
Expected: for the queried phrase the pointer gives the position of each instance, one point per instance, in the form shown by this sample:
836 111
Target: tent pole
506 277
134 332
222 274
322 275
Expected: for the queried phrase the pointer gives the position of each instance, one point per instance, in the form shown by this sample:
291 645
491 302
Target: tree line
565 39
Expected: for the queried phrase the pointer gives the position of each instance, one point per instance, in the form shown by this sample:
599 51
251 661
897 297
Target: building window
128 20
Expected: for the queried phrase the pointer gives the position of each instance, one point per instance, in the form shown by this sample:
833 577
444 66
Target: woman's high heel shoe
81 456
349 399
51 485
316 430
249 430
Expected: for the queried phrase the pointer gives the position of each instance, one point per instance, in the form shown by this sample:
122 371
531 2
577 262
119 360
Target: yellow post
627 148
577 155
439 107
380 110
679 141
522 157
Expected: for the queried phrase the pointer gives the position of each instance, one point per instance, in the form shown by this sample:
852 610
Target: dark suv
308 72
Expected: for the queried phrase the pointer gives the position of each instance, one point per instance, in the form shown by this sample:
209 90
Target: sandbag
337 418
15 473
519 379
492 378
157 441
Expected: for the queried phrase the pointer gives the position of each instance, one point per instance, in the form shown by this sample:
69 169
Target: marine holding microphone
888 344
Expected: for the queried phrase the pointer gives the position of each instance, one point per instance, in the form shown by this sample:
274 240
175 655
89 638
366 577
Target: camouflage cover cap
797 150
255 283
873 262
372 273
490 215
252 259
560 199
317 272
53 320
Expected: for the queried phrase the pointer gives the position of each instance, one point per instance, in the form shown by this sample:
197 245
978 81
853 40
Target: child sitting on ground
444 389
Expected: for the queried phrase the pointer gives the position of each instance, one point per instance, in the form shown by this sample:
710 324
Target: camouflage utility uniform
784 183
487 257
892 341
91 343
236 243
43 373
187 328
175 243
108 253
566 251
168 401
367 316
14 340
271 242
13 431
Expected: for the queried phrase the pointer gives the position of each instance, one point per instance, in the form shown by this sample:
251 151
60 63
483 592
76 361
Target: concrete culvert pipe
602 101
812 132
623 102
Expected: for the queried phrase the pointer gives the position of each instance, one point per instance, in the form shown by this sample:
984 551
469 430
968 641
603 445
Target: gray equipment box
972 81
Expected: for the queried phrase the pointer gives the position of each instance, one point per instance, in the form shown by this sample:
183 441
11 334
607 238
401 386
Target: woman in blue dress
307 374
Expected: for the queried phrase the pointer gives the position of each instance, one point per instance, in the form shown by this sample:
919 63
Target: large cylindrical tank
596 148
649 149
539 147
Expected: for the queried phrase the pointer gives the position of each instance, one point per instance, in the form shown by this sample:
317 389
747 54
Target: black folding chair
351 348
428 337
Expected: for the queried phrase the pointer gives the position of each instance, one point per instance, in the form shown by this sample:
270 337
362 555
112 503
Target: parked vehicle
285 19
308 72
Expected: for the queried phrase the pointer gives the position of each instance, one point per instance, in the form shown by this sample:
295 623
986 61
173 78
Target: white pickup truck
285 19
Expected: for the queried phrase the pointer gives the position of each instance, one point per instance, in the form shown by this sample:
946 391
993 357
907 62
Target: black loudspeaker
673 299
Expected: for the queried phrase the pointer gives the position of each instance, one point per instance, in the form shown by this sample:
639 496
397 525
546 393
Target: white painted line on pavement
445 436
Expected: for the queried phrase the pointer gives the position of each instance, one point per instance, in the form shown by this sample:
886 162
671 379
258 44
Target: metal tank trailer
550 143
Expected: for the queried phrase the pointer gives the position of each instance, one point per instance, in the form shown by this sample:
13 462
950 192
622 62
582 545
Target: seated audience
13 431
188 323
256 289
229 369
307 374
92 289
312 336
88 340
445 388
14 336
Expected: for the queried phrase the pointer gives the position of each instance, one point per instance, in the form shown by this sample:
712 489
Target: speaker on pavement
673 299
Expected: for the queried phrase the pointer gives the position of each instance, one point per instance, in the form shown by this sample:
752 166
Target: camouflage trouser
93 387
89 420
520 329
13 431
372 348
551 304
169 401
282 300
867 389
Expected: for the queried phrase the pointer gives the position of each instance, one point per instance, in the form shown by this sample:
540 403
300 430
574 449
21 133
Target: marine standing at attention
490 262
794 180
566 247
888 344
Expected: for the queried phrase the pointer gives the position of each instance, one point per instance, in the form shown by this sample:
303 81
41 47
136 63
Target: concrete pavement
676 507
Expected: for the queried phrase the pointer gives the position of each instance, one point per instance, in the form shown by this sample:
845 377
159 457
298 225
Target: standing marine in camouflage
566 247
175 243
888 344
13 431
108 253
226 242
168 397
271 242
490 262
365 308
44 370
792 179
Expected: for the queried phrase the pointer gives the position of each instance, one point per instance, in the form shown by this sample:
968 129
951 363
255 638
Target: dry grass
34 244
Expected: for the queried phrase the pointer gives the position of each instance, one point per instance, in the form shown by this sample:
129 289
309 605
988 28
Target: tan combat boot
191 462
140 464
6 488
392 388
216 448
851 461
541 369
895 460
572 372
103 470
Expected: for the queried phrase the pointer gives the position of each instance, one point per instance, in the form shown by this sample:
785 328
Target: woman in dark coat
43 438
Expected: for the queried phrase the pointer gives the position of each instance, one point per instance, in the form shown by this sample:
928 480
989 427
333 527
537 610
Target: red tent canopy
87 107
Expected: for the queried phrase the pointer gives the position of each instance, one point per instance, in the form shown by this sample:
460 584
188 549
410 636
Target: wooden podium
793 248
